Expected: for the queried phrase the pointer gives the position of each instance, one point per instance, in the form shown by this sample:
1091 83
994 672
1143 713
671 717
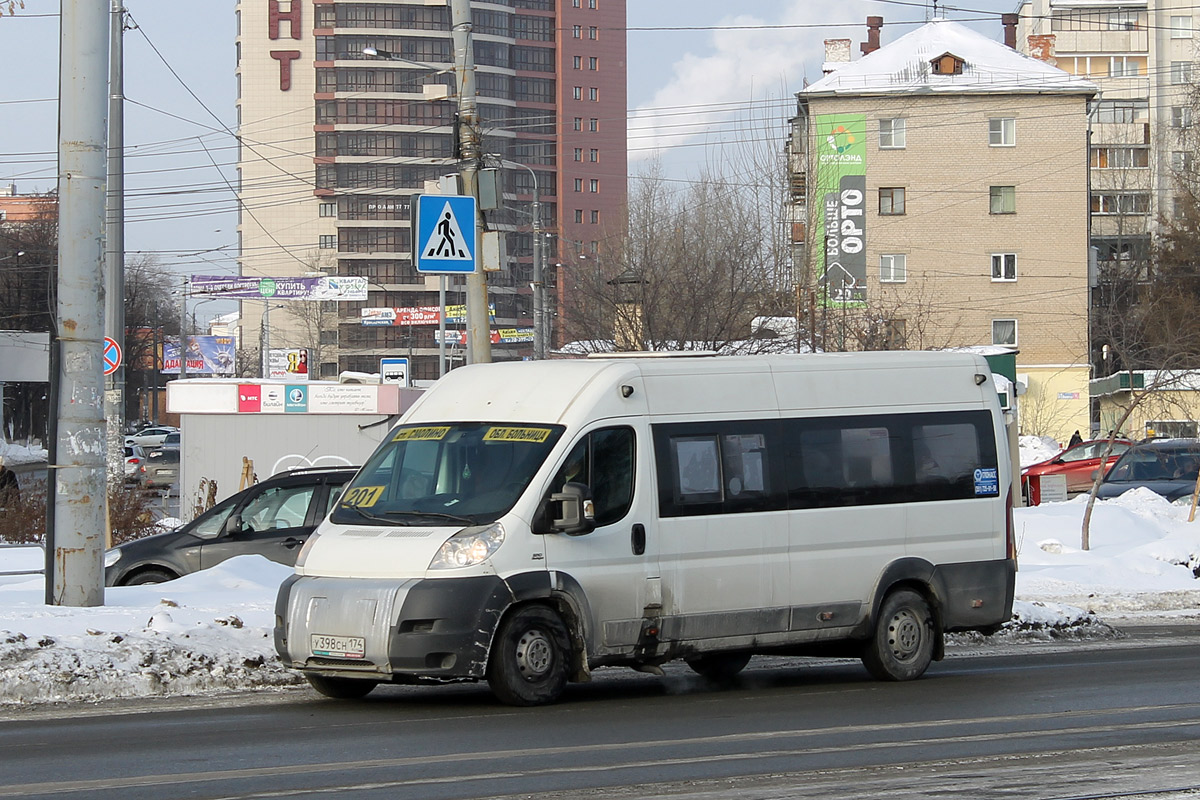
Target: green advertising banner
841 263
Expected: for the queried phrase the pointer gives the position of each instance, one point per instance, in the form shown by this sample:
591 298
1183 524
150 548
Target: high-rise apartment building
333 143
1140 53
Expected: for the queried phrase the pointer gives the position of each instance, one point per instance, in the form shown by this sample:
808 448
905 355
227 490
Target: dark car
1165 466
1077 463
273 519
162 468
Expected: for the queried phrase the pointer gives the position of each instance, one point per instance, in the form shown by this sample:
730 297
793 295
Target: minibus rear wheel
901 648
341 688
528 663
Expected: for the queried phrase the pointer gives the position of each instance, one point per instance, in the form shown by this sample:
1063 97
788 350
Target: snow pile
1035 449
17 454
1143 556
210 631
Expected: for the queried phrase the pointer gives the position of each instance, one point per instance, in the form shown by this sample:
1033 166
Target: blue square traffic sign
445 240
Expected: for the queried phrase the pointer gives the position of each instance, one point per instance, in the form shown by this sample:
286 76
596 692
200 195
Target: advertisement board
289 364
841 196
326 287
207 355
419 315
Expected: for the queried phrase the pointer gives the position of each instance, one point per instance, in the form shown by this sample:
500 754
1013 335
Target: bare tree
692 272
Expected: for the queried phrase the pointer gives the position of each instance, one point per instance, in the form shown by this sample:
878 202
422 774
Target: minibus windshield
464 473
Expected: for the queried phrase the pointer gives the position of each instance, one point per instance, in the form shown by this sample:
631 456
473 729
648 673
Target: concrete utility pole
77 461
479 339
114 278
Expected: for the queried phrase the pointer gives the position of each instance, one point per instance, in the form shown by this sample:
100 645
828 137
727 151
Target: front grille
340 663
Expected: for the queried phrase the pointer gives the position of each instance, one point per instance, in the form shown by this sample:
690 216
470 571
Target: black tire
901 647
150 576
528 662
341 688
720 668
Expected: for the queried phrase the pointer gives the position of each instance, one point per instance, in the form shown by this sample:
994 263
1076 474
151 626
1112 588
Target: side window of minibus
604 461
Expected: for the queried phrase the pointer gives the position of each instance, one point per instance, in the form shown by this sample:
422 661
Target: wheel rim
535 654
905 633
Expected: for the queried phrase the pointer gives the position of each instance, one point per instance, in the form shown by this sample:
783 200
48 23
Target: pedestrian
10 490
1075 439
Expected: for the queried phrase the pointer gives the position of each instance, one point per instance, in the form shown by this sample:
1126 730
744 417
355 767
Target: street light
539 286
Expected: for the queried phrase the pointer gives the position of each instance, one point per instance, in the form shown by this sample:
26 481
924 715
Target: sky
210 631
696 71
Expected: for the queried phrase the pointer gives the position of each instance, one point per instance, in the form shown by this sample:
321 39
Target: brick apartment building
940 199
334 143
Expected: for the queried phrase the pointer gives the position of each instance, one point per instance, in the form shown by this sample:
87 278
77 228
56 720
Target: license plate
338 646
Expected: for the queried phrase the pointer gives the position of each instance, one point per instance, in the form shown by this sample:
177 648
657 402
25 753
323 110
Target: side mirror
576 516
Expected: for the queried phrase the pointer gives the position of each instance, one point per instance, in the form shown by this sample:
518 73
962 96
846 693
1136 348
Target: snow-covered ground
211 631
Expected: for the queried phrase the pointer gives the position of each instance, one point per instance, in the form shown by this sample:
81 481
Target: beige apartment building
1140 53
940 190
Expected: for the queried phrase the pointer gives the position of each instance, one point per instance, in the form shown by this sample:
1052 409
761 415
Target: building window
592 4
1181 27
1121 203
1181 72
594 124
896 334
593 33
1004 266
593 63
577 92
1120 157
578 62
579 215
1004 332
1181 117
1122 111
1123 66
579 154
595 217
1123 21
328 242
575 3
577 31
579 184
327 209
593 94
891 133
893 268
594 247
1002 132
593 155
594 185
1003 199
579 123
1181 161
891 201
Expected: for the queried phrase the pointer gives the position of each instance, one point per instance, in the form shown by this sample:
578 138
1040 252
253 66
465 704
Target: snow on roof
903 67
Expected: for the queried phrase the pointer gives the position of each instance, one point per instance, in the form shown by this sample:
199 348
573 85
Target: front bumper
417 628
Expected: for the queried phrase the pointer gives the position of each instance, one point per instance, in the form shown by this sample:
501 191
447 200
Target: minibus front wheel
530 658
901 647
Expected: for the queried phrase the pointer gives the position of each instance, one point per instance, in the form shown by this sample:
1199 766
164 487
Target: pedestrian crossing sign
445 228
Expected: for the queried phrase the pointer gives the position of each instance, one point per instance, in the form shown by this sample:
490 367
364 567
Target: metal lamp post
539 285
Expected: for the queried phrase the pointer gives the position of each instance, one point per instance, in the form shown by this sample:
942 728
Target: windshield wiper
367 514
434 514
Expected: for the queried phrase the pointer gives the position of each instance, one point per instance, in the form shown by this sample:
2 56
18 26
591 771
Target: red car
1077 463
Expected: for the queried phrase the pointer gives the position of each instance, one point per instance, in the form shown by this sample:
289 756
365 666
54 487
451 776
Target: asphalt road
1067 722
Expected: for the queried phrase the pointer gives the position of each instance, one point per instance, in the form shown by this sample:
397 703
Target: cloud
763 67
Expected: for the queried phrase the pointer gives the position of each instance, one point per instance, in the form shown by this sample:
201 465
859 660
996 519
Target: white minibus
526 523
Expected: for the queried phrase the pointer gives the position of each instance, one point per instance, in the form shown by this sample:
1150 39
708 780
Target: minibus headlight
469 547
305 549
111 557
